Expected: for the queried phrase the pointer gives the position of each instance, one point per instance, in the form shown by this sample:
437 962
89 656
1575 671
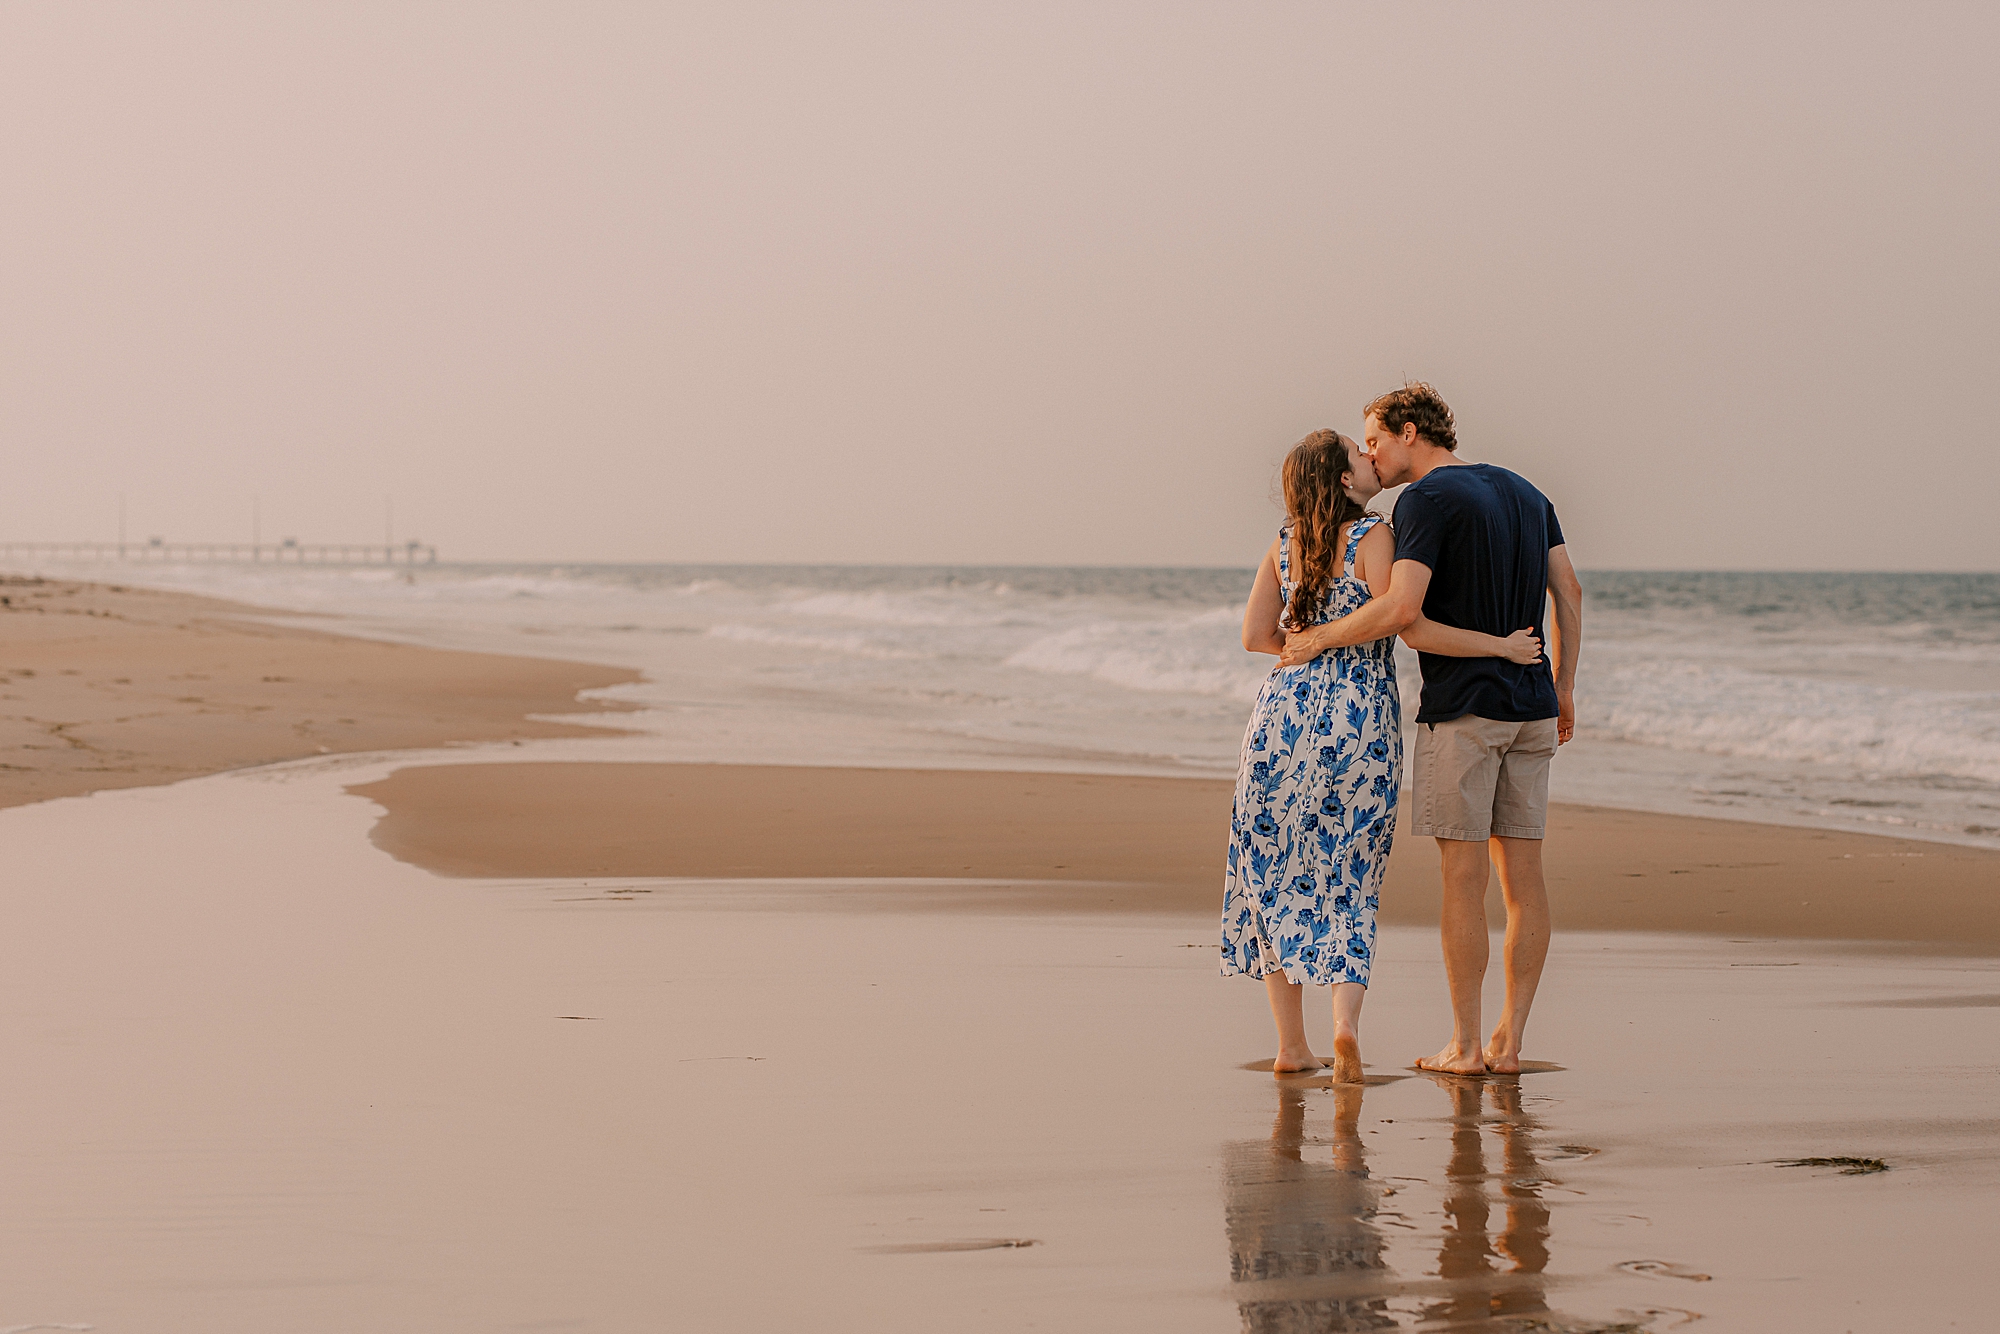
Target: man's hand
1567 593
1301 647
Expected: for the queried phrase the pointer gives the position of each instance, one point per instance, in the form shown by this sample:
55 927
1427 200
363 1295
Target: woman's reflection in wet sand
1302 1237
1489 1279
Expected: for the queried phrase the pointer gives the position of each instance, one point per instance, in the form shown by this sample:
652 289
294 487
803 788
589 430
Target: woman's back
1345 592
1315 800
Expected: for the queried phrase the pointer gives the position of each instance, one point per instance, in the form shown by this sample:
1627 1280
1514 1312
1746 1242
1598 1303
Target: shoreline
107 686
843 729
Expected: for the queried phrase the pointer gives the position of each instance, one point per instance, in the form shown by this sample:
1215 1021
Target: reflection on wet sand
1498 1278
1307 1246
1302 1233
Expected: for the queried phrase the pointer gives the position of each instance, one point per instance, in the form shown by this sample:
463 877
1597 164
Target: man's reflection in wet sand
1308 1254
1486 1278
1303 1231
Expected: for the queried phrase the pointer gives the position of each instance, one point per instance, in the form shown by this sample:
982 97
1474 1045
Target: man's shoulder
1451 486
1418 500
1438 484
1509 478
1474 478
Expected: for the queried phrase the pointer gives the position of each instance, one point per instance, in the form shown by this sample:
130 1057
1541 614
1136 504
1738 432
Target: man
1476 547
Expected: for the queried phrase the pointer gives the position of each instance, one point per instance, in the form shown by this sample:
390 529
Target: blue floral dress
1315 802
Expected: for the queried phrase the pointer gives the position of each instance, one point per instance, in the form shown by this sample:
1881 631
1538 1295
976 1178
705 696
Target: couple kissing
1463 574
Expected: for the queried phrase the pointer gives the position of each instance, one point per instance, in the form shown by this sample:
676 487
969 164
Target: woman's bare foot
1346 1058
1454 1060
1502 1056
1296 1062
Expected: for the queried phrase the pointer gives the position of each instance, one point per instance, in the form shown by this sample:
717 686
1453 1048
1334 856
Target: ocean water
1859 701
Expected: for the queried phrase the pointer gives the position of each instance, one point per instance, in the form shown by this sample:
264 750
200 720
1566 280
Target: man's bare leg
1463 926
1519 861
1288 1008
1347 998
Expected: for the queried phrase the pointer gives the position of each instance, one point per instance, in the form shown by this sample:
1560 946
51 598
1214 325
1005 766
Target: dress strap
1285 559
1357 531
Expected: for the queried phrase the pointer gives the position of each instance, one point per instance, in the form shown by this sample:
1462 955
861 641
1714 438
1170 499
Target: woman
1323 756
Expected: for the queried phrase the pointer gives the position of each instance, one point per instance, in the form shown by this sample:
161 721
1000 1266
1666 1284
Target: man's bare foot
1502 1056
1296 1062
1454 1060
1346 1059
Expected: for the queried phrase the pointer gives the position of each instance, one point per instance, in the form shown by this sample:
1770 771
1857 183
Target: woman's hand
1301 647
1521 647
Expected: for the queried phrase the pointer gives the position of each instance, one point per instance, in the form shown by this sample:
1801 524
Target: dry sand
1093 843
110 687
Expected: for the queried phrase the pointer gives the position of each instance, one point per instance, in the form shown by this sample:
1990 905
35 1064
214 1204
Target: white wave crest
1196 655
881 608
1868 729
854 645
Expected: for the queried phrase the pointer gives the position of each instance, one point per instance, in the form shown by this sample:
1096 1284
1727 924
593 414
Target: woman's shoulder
1369 524
1373 548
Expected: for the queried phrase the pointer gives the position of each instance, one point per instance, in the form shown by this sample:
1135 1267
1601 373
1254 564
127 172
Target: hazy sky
1021 282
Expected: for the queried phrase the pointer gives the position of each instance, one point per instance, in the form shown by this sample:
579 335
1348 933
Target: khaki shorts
1478 779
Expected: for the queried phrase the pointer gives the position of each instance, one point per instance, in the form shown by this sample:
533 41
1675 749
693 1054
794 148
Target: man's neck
1428 459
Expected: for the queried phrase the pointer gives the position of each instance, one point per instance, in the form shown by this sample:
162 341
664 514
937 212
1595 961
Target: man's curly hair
1418 403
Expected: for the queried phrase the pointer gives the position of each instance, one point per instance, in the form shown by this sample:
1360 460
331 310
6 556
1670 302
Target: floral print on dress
1315 805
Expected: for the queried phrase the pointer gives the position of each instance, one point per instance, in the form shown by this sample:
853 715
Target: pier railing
288 551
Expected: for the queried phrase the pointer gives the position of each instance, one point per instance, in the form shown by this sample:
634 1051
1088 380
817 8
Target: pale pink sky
1038 283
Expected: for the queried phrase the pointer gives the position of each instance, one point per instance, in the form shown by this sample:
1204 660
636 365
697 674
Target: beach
628 634
109 686
522 1037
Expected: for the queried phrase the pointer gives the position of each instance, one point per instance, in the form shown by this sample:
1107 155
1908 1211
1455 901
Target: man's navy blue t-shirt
1486 534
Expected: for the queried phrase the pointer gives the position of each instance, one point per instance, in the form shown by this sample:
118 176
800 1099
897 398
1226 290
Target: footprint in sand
1849 1167
1663 1269
1647 1316
1621 1220
966 1244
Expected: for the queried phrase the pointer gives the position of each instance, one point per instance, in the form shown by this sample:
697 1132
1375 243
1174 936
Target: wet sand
111 687
1069 843
267 1077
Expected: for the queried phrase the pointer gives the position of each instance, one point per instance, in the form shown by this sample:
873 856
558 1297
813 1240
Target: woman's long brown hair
1317 507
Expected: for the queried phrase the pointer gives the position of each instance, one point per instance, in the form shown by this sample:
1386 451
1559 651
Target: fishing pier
290 551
